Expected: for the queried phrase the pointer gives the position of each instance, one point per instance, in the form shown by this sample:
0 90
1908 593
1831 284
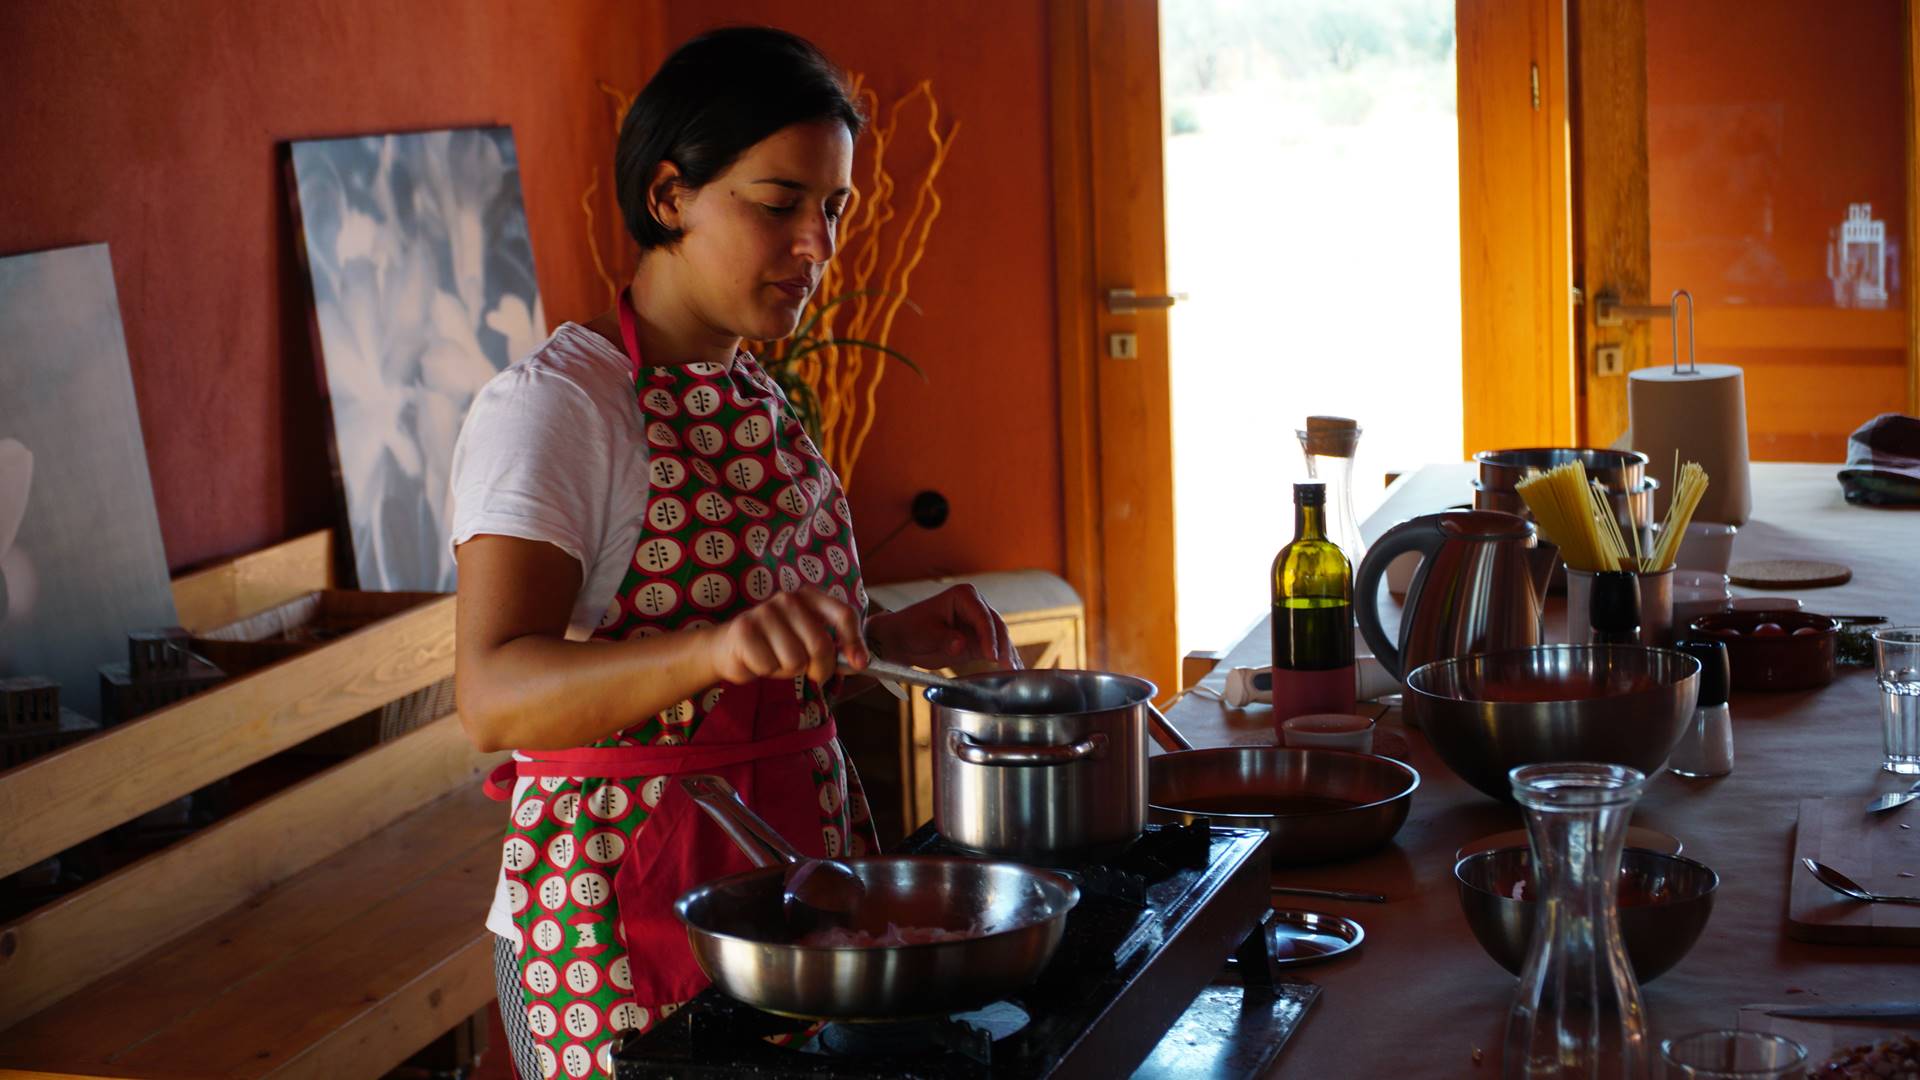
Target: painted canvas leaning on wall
423 287
81 561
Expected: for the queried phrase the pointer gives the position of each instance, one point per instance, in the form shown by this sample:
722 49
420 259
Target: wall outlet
1610 359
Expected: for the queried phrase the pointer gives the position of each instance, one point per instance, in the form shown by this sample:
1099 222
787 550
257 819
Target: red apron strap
630 332
625 762
499 783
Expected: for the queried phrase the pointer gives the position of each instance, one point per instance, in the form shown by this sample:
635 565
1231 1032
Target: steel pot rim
1143 688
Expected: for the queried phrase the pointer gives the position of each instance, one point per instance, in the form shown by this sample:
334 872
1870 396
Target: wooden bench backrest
75 793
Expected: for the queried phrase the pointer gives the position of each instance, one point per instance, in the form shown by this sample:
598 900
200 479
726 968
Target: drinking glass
1724 1055
1896 655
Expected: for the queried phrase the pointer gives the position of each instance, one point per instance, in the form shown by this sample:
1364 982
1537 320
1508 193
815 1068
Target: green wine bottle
1312 616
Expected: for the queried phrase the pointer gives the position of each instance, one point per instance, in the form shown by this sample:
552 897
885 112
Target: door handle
1126 302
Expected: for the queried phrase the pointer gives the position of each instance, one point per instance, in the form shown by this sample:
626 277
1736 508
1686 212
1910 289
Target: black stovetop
1153 927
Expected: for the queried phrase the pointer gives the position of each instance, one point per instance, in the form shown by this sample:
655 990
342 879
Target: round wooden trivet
1788 574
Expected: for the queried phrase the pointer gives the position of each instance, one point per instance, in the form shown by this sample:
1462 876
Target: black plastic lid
1714 673
1614 604
1311 493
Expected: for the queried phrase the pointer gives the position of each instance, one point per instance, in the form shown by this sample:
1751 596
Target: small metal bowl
1488 713
1316 805
1656 934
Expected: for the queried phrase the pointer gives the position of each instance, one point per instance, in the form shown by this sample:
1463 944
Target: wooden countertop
1420 997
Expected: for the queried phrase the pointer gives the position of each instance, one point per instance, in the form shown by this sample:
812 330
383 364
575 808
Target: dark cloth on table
1883 462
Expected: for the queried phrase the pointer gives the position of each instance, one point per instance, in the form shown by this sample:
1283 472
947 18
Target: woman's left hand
951 628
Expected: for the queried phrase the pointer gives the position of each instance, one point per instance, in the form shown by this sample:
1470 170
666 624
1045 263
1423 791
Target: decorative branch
621 103
844 355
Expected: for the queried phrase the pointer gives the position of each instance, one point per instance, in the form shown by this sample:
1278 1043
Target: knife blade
1332 894
1905 1012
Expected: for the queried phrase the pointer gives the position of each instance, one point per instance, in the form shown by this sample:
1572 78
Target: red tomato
1726 631
1769 629
1806 631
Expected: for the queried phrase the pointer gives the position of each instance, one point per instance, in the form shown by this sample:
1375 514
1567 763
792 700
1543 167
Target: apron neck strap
630 331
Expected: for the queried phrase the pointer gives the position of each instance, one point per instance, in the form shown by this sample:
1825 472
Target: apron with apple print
740 506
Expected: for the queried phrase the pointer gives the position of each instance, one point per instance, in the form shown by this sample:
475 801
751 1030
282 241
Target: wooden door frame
1527 313
1528 343
1912 256
1073 284
1518 376
1117 496
1612 215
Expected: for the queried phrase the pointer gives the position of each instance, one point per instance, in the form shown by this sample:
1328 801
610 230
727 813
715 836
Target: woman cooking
657 572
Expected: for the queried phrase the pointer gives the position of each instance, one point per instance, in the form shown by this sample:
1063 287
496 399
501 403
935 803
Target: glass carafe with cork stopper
1329 443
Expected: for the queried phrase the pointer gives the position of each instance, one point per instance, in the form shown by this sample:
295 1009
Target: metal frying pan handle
744 827
1163 731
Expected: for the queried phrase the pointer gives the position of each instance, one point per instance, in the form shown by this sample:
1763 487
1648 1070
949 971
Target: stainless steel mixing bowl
1656 934
1487 713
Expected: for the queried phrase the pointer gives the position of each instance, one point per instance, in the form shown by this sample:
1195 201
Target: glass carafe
1577 1011
1329 443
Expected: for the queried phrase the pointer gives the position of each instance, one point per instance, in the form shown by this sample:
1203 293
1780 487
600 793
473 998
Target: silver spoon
1893 800
1846 886
1061 694
887 669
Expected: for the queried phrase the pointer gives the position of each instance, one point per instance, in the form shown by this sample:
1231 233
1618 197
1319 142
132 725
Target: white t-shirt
553 449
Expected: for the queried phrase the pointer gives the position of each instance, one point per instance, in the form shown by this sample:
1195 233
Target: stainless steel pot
1622 473
1616 470
1013 917
1056 769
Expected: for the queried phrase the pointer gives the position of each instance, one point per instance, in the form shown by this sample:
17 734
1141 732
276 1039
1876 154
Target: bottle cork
1334 436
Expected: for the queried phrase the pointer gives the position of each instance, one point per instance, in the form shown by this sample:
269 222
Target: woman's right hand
792 633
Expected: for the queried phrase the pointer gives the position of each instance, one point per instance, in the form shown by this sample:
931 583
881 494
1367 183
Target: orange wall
154 127
984 430
1765 119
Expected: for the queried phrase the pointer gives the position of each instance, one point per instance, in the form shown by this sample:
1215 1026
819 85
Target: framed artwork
423 287
81 562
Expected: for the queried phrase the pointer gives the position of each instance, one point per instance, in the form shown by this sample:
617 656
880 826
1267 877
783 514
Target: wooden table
1420 998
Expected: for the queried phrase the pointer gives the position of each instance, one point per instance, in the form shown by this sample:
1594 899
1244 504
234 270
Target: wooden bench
330 929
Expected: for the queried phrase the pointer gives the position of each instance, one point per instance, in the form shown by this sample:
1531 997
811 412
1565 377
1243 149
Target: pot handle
963 746
1163 731
744 827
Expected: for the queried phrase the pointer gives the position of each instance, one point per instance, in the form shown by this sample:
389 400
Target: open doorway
1313 218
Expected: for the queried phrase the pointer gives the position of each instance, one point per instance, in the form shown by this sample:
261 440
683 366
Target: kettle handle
1421 534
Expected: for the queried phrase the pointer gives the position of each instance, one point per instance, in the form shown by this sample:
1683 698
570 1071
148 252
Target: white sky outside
1313 216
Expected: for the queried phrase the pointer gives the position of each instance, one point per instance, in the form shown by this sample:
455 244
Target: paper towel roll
1702 413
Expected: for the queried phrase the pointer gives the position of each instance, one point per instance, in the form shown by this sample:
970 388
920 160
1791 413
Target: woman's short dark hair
717 95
